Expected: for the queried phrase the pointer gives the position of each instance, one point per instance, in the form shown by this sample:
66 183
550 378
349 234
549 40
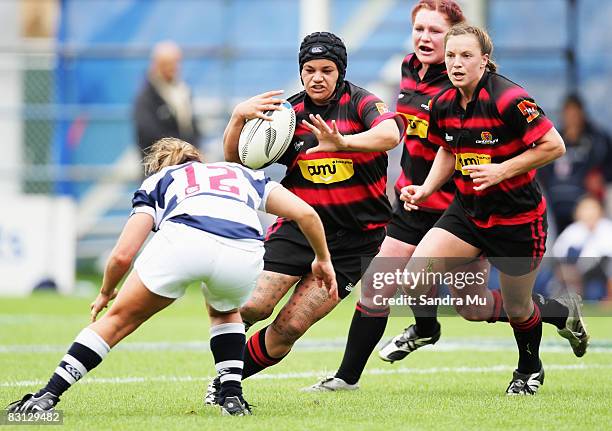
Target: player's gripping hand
100 303
324 273
485 176
412 195
329 138
256 106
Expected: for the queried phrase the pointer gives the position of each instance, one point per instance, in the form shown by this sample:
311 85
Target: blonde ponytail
168 152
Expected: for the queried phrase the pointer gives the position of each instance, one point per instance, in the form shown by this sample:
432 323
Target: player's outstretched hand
256 106
412 195
100 303
330 138
485 176
324 273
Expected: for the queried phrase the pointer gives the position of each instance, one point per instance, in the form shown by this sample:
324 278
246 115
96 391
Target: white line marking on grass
324 345
312 374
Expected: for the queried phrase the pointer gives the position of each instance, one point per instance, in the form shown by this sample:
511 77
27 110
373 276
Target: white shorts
178 255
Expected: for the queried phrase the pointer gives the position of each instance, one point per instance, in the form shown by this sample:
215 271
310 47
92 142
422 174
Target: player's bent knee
290 331
123 317
518 312
114 327
472 314
253 312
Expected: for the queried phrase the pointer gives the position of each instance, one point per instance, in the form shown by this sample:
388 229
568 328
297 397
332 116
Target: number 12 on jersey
221 182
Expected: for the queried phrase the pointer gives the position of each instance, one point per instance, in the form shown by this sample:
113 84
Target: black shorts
410 226
514 250
288 252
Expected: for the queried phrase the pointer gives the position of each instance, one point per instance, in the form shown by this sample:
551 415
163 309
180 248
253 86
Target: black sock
367 328
84 355
528 335
553 312
425 317
227 343
256 357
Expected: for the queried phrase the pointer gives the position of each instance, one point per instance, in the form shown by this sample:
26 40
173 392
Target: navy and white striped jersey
220 198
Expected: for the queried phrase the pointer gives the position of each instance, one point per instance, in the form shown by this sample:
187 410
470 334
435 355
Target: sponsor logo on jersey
486 138
327 171
529 110
448 138
416 126
382 107
298 145
426 107
467 159
400 96
349 287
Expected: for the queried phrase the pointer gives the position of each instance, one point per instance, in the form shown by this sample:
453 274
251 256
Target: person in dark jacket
163 107
582 171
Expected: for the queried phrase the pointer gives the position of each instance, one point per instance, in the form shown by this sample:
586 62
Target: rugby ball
263 142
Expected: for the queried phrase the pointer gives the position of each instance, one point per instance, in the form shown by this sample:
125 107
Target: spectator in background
585 250
164 108
579 172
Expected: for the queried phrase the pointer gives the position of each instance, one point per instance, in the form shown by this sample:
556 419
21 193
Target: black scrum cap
324 45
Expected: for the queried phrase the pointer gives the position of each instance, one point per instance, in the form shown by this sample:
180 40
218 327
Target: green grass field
155 379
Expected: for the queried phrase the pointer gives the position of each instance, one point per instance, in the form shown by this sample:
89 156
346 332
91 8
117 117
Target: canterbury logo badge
73 371
326 171
487 139
317 50
448 138
467 159
416 126
529 110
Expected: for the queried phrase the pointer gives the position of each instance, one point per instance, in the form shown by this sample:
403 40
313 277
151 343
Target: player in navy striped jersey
493 137
346 188
207 229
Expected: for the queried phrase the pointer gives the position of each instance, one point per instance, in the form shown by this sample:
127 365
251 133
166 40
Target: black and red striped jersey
500 122
347 188
418 153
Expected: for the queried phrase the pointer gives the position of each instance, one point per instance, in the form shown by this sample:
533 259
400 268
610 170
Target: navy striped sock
227 343
87 351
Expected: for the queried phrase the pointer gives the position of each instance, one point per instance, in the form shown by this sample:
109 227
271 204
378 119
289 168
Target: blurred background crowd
88 84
